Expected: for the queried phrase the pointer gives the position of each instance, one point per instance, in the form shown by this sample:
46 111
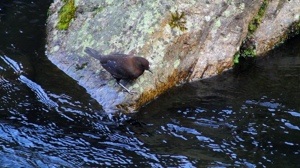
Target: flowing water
244 118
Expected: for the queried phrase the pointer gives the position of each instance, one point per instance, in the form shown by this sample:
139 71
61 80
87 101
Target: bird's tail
92 53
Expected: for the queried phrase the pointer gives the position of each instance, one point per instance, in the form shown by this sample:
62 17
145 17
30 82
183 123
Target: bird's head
144 64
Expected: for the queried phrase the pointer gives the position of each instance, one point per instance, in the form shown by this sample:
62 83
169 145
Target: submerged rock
183 41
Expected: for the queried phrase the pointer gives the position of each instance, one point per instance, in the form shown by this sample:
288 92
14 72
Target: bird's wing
115 70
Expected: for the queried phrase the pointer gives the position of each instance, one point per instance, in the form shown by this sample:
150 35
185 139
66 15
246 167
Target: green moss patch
178 20
80 67
248 49
253 25
66 14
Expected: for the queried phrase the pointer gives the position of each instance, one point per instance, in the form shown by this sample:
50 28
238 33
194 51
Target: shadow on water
249 119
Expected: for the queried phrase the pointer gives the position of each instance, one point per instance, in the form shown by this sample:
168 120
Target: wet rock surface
183 41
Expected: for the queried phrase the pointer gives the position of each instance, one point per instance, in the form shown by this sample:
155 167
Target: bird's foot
129 91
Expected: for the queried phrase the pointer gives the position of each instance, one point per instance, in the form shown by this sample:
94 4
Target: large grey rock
214 32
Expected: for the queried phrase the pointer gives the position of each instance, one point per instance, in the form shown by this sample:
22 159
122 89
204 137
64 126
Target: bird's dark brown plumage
121 66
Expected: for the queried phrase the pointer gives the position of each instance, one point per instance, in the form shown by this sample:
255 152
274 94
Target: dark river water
248 118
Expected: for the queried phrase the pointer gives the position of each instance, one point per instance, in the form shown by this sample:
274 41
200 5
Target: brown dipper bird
121 66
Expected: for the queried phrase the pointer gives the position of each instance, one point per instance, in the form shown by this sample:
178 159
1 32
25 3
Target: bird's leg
129 91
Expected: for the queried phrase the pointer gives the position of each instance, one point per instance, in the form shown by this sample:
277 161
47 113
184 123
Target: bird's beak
150 71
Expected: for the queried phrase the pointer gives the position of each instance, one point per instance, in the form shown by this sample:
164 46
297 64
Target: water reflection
248 119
